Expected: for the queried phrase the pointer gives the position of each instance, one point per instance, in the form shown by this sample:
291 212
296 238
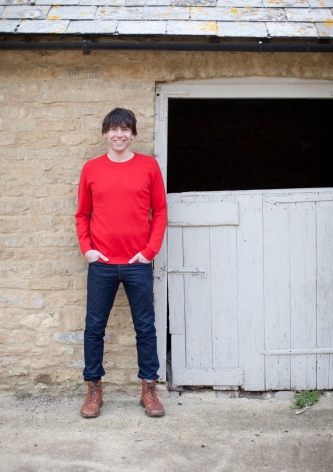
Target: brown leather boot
94 400
149 399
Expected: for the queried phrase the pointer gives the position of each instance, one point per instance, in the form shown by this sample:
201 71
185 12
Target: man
120 221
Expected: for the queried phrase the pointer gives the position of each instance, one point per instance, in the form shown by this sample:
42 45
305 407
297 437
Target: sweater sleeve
83 214
159 214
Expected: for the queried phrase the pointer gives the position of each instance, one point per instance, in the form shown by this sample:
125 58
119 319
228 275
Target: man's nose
119 131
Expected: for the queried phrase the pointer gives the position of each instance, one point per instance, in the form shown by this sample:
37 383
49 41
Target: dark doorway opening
249 144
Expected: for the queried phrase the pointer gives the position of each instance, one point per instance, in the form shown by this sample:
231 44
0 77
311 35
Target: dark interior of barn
249 144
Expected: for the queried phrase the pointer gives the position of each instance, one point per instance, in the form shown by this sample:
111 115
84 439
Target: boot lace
151 392
92 393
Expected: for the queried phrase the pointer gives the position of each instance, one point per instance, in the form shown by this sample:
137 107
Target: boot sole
91 416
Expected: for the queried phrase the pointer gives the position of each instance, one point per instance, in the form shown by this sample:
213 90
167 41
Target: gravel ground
199 432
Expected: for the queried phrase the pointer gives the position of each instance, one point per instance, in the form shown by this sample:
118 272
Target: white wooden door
250 289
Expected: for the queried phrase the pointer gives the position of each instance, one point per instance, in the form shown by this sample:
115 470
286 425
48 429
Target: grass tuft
306 398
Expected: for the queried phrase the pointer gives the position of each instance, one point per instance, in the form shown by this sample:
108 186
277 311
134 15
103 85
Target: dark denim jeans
103 283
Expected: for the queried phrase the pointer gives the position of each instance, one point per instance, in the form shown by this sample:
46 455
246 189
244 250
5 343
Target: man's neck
120 156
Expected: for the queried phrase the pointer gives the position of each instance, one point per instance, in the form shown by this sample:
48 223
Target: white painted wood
176 282
295 352
324 218
178 355
303 292
250 291
223 257
203 214
276 293
198 322
232 377
315 197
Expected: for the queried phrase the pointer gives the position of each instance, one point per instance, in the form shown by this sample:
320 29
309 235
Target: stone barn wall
51 108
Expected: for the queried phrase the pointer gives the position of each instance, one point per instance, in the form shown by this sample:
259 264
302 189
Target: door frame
245 87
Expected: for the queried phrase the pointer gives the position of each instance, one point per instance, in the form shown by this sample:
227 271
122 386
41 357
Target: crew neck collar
120 162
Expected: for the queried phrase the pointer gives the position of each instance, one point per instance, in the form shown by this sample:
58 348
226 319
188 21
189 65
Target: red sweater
121 208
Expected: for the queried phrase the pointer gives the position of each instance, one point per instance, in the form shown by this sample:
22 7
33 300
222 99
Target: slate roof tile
192 27
57 2
242 29
23 12
233 18
222 14
194 3
142 3
72 13
167 13
261 14
240 3
320 3
92 27
309 14
120 13
9 26
142 27
286 3
100 3
42 27
325 30
298 30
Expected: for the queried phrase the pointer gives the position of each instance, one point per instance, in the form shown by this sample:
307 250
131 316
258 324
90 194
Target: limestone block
7 139
17 372
127 362
42 321
70 338
23 299
43 378
117 377
77 363
127 339
42 339
73 318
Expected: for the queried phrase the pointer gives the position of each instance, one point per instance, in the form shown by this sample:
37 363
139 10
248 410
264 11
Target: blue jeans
103 283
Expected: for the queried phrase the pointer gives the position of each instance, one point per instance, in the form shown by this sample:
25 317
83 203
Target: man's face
119 138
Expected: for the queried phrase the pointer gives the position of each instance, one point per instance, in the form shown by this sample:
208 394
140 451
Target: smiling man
120 221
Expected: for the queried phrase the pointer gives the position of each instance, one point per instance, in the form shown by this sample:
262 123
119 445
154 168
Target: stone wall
52 105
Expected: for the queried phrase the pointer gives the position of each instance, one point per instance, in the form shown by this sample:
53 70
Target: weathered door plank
303 292
277 293
324 217
197 298
250 291
223 256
